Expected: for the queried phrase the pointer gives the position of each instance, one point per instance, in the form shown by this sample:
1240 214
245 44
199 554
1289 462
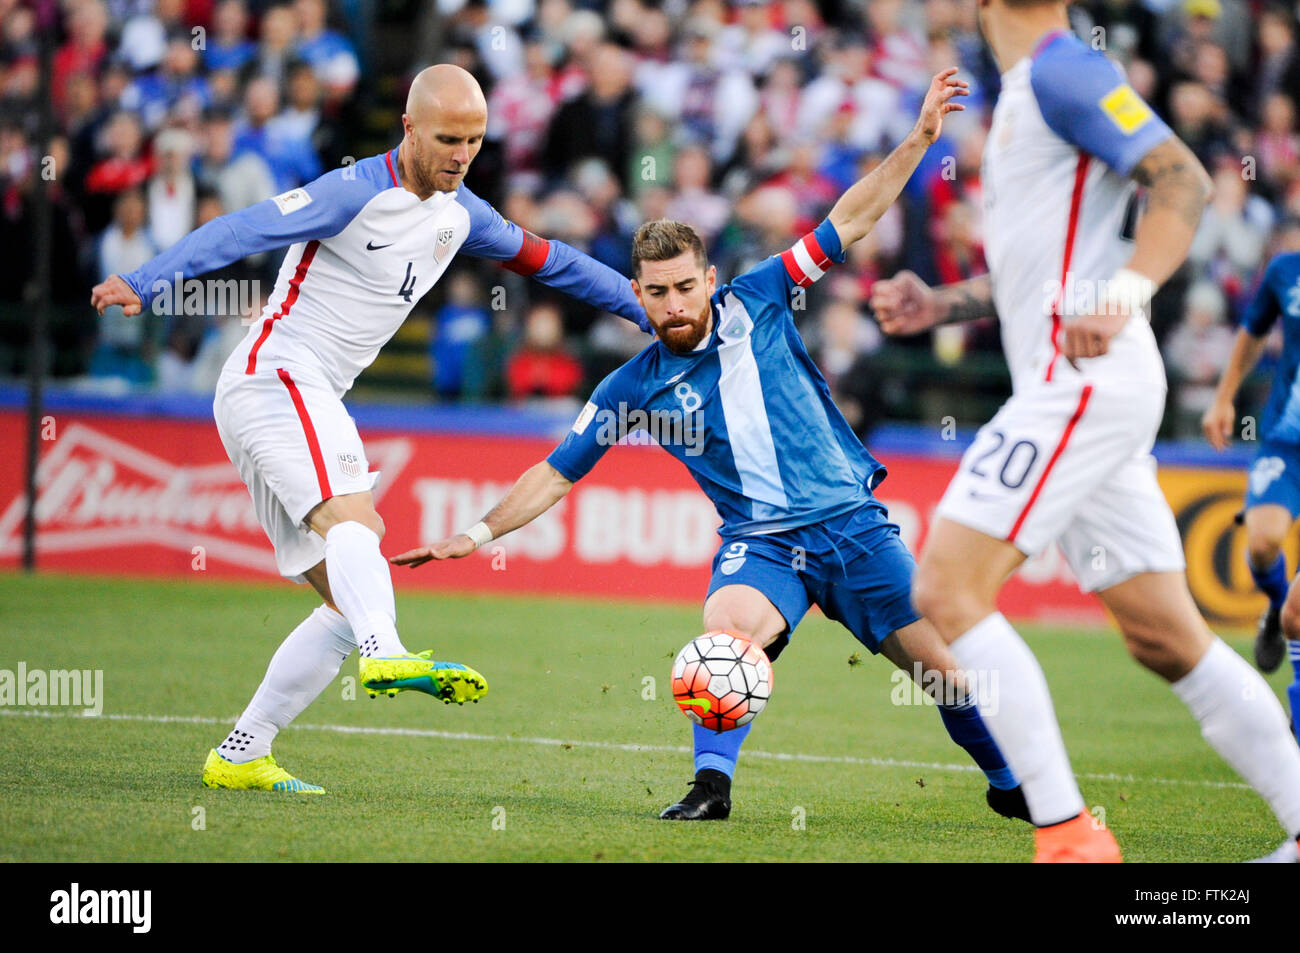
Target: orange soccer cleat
1076 841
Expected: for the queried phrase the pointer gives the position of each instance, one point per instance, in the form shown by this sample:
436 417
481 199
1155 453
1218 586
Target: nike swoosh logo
704 704
371 246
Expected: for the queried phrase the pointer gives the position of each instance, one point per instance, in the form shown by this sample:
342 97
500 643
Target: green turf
111 788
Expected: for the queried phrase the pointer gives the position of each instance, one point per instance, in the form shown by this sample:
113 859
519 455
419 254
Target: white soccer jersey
363 250
1059 207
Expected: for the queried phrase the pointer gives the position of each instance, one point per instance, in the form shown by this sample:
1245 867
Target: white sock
1017 709
304 664
1242 720
362 588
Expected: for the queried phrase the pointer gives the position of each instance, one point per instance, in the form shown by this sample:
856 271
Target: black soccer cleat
1270 646
709 799
1008 802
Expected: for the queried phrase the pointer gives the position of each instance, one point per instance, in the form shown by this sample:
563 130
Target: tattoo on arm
966 300
1174 180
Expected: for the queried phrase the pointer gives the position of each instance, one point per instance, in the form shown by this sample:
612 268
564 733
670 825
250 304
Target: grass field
564 760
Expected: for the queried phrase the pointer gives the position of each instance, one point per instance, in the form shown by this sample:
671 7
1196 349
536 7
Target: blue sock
719 751
966 727
1272 582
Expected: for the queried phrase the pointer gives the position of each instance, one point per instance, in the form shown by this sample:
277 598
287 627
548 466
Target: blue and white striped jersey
748 412
362 251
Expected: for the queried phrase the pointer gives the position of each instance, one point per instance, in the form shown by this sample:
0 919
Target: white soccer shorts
294 445
1070 462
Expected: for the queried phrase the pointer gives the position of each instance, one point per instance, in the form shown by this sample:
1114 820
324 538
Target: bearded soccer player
1068 458
365 243
791 483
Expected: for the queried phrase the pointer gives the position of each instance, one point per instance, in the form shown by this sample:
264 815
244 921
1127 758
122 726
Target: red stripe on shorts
1060 447
322 477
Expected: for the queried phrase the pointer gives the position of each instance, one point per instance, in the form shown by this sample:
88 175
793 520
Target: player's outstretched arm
1220 419
318 210
551 262
859 208
540 488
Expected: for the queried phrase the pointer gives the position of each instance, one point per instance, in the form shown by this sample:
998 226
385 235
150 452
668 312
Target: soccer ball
721 680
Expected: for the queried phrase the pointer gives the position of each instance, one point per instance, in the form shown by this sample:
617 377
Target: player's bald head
445 92
444 125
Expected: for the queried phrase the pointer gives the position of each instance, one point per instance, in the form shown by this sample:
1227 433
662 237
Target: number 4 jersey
747 412
362 251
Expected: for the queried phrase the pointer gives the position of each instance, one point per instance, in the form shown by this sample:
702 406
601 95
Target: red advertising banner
159 497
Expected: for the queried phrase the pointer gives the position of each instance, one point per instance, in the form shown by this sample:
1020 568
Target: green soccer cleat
261 774
450 681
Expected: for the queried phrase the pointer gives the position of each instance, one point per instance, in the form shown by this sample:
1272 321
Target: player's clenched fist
904 304
113 290
453 548
1090 334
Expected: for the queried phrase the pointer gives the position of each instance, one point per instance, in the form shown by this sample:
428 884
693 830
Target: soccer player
365 243
763 439
1067 459
1273 492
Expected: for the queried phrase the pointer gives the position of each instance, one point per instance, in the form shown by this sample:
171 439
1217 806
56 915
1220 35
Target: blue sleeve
551 262
320 209
807 260
1086 100
1264 308
598 427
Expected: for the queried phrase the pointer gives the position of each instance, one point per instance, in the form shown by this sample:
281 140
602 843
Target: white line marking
599 745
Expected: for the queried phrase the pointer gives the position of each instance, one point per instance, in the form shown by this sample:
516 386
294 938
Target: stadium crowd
744 118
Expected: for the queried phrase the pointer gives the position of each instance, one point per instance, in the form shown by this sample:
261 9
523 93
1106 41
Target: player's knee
730 619
1165 648
949 607
1262 549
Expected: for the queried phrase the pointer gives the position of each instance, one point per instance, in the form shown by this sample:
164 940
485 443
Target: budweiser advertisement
136 495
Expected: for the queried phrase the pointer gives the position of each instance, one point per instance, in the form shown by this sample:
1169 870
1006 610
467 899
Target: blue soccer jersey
747 412
1279 296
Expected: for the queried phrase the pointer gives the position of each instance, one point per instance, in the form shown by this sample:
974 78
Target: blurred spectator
1196 351
597 123
288 154
460 324
693 202
239 181
711 104
520 109
1279 66
124 166
176 83
85 49
329 53
1230 240
751 43
1278 144
542 366
171 190
228 46
125 349
878 120
275 48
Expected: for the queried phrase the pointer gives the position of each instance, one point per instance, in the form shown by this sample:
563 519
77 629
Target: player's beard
418 168
686 338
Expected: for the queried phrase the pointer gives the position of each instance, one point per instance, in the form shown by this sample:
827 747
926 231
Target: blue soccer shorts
853 566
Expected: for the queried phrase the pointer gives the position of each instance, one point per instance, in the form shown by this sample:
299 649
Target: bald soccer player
365 244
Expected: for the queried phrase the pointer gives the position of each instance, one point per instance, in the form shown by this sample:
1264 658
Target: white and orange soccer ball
721 680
